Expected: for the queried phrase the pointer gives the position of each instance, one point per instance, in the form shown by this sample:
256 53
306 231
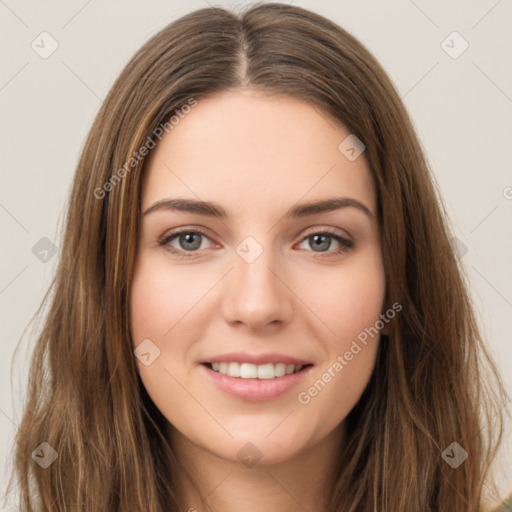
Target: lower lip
255 389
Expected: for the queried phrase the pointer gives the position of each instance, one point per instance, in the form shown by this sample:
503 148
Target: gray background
461 108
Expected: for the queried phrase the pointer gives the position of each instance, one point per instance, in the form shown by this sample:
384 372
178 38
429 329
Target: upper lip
257 359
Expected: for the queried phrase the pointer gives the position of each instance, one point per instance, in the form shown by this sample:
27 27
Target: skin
256 155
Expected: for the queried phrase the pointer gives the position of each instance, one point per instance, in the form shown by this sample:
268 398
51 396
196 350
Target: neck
208 483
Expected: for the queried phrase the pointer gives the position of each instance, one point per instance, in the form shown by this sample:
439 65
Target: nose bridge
256 294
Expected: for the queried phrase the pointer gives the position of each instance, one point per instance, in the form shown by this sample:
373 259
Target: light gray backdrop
59 58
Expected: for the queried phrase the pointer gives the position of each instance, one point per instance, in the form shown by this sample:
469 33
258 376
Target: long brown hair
428 389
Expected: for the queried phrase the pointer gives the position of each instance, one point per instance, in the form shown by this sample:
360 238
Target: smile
254 382
255 371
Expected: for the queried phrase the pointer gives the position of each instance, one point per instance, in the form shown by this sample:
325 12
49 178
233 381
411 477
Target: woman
258 305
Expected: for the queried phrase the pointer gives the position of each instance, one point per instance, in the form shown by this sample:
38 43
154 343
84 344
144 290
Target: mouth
254 382
266 371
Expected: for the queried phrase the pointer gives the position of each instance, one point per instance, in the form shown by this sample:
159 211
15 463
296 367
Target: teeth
280 370
247 371
233 370
253 371
266 371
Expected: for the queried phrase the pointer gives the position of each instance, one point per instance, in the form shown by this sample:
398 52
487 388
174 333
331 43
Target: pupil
188 238
324 237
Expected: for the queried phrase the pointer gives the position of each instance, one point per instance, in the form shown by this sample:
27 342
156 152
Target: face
249 323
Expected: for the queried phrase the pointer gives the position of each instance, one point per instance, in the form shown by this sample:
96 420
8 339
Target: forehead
254 150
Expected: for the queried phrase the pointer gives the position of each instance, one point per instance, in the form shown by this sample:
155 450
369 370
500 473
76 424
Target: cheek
159 302
348 300
351 303
160 298
158 306
150 305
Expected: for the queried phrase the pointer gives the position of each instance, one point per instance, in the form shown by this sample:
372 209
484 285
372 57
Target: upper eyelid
325 229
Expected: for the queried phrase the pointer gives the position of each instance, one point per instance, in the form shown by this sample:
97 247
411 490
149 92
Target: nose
257 293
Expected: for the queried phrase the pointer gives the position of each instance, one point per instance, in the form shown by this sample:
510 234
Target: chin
265 443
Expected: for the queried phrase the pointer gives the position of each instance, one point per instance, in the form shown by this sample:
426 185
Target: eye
321 242
188 241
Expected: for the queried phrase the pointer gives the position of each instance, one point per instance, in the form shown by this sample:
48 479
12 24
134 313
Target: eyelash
346 245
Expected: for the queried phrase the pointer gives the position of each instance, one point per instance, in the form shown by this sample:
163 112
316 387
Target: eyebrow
211 209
